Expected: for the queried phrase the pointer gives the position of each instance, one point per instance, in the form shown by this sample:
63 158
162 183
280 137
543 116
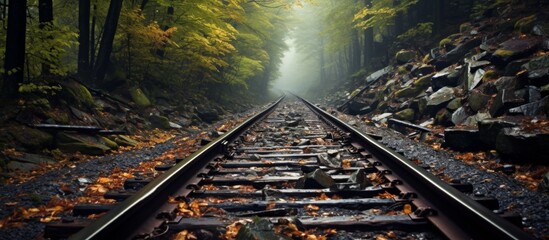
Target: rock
456 54
160 122
423 82
110 143
459 116
534 93
362 107
490 128
409 92
329 161
454 104
33 158
443 117
407 114
544 91
125 141
439 99
473 120
84 117
31 138
518 146
423 70
261 228
544 184
538 63
404 56
77 93
91 145
22 166
525 25
514 49
474 81
175 125
538 77
507 99
531 109
381 117
475 65
448 77
361 178
509 83
462 139
379 74
139 98
477 100
317 179
208 115
514 67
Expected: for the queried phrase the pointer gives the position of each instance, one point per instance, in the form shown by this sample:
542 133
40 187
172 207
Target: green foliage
418 36
381 14
481 7
38 95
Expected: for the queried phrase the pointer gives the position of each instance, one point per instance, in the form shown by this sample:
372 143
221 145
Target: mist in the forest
297 73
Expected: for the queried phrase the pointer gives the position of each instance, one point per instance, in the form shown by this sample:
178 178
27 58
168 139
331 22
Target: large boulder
478 100
448 77
490 128
31 138
531 109
160 122
460 115
439 99
207 114
456 54
139 98
404 56
514 49
462 139
91 145
516 145
77 93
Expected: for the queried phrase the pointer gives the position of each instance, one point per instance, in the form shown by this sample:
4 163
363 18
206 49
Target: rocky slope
486 88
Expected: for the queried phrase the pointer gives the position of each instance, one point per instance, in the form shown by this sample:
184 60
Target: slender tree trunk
92 41
368 42
45 19
323 79
84 40
105 47
438 12
399 19
15 47
143 4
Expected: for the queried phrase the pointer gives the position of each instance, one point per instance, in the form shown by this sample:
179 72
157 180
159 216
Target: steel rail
121 222
456 215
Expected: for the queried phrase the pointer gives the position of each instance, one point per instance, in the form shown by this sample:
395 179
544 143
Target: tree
84 40
15 47
105 47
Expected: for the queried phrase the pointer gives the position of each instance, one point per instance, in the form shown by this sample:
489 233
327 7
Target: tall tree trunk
143 4
84 40
105 47
323 79
368 42
15 47
438 12
92 40
45 19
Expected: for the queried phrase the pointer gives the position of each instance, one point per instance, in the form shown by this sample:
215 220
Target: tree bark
45 18
15 47
84 40
368 42
105 47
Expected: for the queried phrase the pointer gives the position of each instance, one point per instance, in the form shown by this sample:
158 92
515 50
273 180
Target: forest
96 92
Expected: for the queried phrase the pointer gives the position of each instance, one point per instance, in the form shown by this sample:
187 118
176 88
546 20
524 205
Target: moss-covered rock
159 122
91 145
407 114
123 140
408 92
404 56
424 82
443 117
525 25
31 138
110 143
454 104
465 28
139 98
77 93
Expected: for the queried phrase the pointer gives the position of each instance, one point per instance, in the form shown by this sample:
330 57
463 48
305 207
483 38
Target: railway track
296 171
